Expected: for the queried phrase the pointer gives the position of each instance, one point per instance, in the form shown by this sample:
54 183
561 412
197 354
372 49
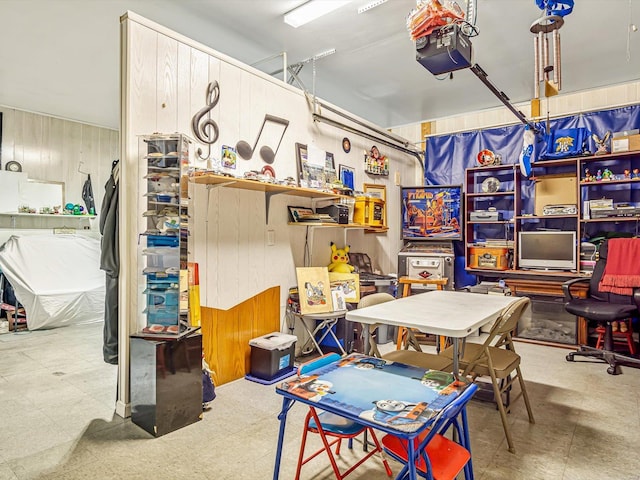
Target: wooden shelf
500 222
544 217
609 182
490 194
256 186
327 224
527 273
269 189
508 166
635 218
47 215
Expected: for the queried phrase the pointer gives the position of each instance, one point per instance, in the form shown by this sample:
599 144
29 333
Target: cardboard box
555 190
629 143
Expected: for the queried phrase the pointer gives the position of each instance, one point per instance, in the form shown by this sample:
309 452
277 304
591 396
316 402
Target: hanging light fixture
312 10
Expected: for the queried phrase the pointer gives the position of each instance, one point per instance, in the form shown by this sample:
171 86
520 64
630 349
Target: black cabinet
166 383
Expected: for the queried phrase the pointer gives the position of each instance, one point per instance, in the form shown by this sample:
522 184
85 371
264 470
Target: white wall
58 150
164 83
564 104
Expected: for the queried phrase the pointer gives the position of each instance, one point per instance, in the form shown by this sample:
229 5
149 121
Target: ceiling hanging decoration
548 69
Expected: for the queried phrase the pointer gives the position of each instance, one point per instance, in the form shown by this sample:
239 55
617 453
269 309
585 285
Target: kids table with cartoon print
361 388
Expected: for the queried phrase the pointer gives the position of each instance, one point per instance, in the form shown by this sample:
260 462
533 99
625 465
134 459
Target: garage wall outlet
271 237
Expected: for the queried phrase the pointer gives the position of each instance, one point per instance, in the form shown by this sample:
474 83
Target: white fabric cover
57 278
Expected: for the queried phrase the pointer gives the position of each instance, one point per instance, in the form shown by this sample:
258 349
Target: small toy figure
601 143
587 175
635 173
598 175
627 173
340 260
607 174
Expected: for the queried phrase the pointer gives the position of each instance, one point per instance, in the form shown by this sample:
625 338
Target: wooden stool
628 336
440 283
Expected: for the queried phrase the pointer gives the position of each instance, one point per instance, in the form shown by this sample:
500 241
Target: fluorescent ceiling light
371 5
311 10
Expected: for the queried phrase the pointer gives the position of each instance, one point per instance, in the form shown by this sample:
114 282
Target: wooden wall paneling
18 137
231 104
253 239
8 135
58 164
183 99
142 98
32 137
71 157
212 246
226 333
47 158
229 279
167 85
198 95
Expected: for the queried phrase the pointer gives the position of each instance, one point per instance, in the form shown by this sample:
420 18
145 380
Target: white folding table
440 312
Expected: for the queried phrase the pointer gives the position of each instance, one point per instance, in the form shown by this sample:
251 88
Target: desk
441 312
358 387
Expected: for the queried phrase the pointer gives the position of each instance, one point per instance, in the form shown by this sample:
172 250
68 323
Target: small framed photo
299 214
228 156
314 290
347 176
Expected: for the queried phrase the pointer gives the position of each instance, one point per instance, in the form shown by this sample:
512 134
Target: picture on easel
314 290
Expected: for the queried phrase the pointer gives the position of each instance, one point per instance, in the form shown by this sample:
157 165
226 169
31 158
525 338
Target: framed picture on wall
347 176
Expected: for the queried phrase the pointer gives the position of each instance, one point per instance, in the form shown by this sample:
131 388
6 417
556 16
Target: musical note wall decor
205 129
246 151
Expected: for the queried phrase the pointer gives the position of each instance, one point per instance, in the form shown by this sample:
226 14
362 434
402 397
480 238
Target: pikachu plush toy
340 260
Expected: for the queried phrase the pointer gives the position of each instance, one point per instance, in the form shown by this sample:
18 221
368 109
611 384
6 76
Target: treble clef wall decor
206 129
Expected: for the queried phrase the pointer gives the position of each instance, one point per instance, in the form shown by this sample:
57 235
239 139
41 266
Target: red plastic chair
333 429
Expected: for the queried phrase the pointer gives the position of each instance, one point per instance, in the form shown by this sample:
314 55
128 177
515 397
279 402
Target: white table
440 312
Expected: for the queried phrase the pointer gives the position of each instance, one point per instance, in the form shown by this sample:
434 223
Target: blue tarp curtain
447 156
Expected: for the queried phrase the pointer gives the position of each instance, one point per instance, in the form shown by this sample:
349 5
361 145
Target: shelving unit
519 215
163 253
271 189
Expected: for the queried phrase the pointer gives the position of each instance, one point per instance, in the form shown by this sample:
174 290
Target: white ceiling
61 57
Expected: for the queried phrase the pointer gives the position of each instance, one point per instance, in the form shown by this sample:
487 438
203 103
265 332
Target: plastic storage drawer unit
271 354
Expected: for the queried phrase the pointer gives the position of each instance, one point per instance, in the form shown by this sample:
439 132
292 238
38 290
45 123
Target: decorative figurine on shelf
607 174
601 143
340 260
598 175
635 173
587 175
627 173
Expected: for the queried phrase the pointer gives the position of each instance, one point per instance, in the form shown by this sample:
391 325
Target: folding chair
440 458
328 425
497 358
416 358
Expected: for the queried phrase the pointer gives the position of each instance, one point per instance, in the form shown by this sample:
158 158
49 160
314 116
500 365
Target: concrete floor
57 421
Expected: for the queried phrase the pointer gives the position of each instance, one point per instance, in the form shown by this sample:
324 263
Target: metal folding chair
333 429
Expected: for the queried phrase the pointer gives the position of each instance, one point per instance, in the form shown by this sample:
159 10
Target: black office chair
604 308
